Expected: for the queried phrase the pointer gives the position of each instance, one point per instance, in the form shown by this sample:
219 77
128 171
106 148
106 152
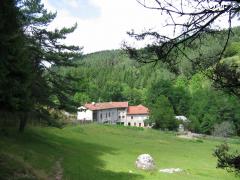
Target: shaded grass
109 152
13 168
43 147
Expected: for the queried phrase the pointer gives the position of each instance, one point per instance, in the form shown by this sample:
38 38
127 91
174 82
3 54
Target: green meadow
89 152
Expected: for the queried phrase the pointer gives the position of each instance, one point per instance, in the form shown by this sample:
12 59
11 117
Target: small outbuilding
84 114
183 123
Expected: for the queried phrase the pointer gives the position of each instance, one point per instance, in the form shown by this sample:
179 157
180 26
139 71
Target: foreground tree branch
191 22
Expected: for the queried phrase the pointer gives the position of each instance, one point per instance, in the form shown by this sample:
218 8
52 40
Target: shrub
224 129
226 160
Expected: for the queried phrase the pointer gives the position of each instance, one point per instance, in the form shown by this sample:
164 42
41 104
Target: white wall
136 120
84 114
122 114
107 115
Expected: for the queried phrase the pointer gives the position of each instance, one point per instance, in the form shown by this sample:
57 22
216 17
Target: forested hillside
113 76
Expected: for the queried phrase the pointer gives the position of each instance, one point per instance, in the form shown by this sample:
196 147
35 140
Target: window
109 114
134 124
82 110
119 117
106 115
131 117
101 115
140 124
123 116
129 124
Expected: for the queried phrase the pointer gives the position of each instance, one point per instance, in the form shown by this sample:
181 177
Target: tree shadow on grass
79 160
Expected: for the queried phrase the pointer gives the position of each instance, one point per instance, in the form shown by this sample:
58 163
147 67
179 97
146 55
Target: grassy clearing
109 152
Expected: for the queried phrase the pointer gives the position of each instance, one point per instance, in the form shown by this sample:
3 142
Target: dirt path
58 170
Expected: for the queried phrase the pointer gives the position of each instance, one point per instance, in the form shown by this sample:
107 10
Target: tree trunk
23 121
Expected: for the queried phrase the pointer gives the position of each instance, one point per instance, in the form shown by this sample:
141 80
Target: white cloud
72 3
109 29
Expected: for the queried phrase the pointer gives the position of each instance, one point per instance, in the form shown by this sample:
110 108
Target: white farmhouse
136 115
113 113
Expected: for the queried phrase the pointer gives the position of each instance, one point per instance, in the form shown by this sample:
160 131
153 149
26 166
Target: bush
224 129
226 160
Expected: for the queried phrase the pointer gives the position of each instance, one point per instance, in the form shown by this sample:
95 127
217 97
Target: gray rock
145 162
171 170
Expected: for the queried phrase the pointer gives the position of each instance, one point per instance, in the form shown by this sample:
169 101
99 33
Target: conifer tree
27 49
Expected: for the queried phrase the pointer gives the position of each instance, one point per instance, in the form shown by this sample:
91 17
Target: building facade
113 113
136 116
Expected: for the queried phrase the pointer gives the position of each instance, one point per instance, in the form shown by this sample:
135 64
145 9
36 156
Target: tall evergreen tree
27 83
15 65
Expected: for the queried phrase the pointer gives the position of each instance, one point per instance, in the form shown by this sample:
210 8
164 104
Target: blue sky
79 8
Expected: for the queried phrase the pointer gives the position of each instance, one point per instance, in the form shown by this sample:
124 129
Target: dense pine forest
113 76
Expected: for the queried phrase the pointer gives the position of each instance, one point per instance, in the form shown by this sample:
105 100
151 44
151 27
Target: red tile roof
106 105
140 109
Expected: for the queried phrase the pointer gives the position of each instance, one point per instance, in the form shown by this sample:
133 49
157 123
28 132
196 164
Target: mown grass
109 152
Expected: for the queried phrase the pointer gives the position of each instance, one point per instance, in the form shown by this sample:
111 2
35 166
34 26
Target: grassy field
106 152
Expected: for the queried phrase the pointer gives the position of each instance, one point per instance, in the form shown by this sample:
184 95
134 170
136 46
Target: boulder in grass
145 162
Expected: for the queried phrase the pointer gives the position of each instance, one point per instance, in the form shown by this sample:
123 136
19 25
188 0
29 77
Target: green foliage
162 114
81 98
112 76
232 50
177 96
134 95
157 89
112 91
226 160
209 107
199 82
